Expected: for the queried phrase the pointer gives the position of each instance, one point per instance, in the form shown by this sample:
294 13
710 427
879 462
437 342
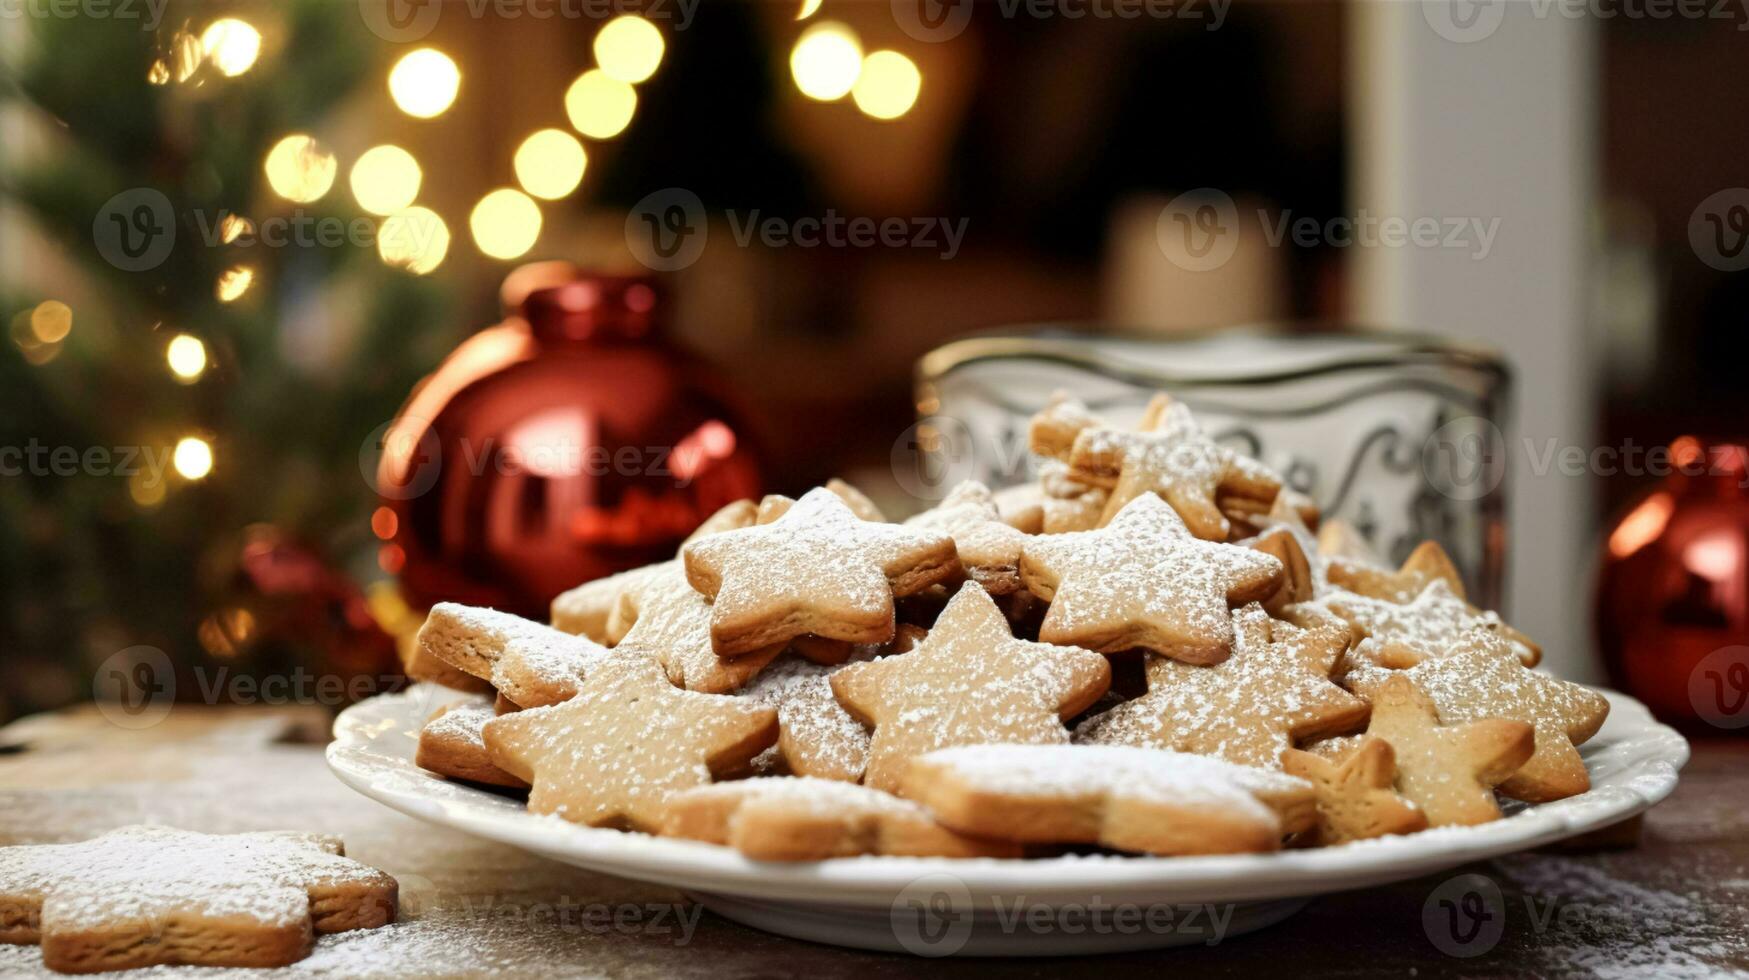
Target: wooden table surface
1676 904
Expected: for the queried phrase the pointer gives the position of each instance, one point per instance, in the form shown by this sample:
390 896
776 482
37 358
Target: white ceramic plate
1063 905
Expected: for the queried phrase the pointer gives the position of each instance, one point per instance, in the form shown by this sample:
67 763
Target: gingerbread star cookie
612 755
150 895
817 569
527 662
1481 677
989 549
1401 635
1449 771
968 681
1068 504
1121 797
1356 796
450 745
1144 580
1427 564
671 624
1021 506
782 818
1246 709
1299 581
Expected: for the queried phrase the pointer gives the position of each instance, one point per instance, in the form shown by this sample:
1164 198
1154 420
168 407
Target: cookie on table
1356 794
1144 581
1247 709
450 745
1400 635
671 624
612 755
817 569
1450 770
968 681
1130 799
783 818
156 896
1482 677
526 662
989 549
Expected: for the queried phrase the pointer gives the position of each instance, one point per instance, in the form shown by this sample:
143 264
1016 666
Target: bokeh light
385 179
599 105
230 45
232 226
233 283
186 356
300 169
193 457
550 163
424 83
888 85
809 9
415 239
505 223
629 48
826 60
186 56
146 486
51 321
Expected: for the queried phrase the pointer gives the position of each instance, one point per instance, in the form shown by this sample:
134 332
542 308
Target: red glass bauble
1673 594
565 443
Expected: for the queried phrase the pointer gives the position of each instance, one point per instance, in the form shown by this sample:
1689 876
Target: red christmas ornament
1673 595
565 443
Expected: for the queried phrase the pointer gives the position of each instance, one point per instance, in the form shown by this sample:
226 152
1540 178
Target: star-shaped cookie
1427 564
1448 770
988 547
671 624
450 745
1246 709
529 663
968 681
611 756
1480 677
1143 580
1356 796
1400 635
817 569
150 895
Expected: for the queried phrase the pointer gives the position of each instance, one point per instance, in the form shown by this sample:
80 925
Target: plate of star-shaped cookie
1149 696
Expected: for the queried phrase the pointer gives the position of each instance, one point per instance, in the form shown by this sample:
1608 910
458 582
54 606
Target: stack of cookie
1154 648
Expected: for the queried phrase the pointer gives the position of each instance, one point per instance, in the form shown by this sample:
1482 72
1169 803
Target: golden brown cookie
1052 430
1338 539
1356 798
856 500
420 664
450 745
1427 564
737 514
1246 709
1117 796
612 755
1143 580
968 681
781 818
527 662
671 624
817 569
1022 507
1449 771
1481 677
989 549
1401 635
151 895
1298 582
816 736
1068 504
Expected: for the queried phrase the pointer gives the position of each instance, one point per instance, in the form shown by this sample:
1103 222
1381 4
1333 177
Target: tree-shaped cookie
817 569
610 756
1246 709
529 663
989 549
1481 677
1448 770
782 818
1401 635
1427 564
145 896
1143 580
1356 794
969 681
671 623
1118 796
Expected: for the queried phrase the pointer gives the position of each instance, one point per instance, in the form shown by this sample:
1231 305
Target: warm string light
415 239
186 356
233 283
230 45
385 179
424 83
192 457
826 60
300 169
599 105
629 48
809 9
887 86
505 223
550 163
